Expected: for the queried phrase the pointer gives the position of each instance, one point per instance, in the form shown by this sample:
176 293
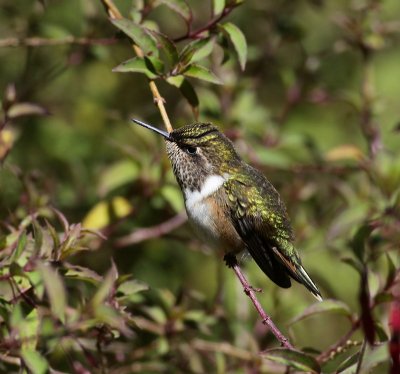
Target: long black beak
165 134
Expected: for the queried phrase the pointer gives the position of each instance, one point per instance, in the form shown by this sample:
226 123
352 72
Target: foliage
308 93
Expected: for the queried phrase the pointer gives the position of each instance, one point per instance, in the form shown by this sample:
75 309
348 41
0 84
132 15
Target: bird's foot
230 260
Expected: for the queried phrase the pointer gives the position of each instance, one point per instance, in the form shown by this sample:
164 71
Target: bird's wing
259 216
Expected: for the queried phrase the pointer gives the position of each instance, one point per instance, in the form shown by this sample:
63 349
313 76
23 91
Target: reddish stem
208 26
249 291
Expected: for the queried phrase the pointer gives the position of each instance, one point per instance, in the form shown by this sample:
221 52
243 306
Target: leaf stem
195 34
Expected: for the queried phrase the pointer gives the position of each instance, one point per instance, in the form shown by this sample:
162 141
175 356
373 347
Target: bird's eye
190 150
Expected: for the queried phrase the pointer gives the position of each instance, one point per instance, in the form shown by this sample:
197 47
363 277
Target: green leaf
189 93
173 195
154 64
55 290
202 73
168 47
238 41
354 263
326 306
186 89
140 35
20 247
196 51
218 6
358 241
117 175
82 273
180 7
350 361
106 287
36 363
132 286
135 65
295 359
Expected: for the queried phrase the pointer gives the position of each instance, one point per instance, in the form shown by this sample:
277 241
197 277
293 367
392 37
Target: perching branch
249 291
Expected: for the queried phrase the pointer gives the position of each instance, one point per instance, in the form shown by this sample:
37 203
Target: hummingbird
232 205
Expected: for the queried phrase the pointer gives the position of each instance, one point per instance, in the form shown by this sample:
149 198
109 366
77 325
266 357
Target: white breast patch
210 185
199 212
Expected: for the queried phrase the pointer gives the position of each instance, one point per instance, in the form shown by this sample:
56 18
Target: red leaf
394 345
367 320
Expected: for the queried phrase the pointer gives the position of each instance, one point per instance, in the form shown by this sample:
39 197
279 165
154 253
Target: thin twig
146 233
249 291
114 13
195 34
336 347
42 42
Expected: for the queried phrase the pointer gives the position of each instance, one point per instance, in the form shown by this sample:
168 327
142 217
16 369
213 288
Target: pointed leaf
104 212
55 290
358 242
135 65
218 6
20 247
180 7
189 93
117 175
82 273
168 47
238 41
140 35
295 359
36 363
325 306
202 73
106 289
196 51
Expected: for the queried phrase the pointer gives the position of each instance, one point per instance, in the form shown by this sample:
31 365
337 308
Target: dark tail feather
302 277
272 267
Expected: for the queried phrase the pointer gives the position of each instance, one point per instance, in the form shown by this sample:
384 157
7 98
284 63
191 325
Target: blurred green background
315 71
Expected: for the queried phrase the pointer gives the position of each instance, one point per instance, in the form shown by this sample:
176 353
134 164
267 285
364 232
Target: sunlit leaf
218 6
238 41
138 34
295 359
173 195
104 212
345 152
117 175
106 288
135 65
202 73
325 306
36 363
81 273
55 290
196 51
180 7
